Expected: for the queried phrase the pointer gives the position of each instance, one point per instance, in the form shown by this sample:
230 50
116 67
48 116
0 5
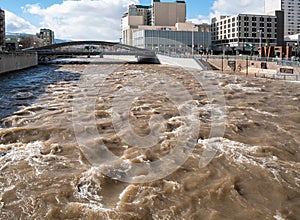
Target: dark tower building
2 29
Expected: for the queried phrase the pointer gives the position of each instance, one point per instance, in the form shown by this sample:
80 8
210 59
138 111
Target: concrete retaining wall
253 66
182 62
17 61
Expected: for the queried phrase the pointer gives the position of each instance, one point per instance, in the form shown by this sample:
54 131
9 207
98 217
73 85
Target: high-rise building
47 36
136 15
164 14
2 29
244 33
168 13
291 9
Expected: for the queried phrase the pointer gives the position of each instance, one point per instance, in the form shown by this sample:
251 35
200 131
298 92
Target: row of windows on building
244 29
292 14
244 35
232 20
292 21
289 4
245 41
214 27
178 36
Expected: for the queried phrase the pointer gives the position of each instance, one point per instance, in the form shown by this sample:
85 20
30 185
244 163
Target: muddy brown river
129 141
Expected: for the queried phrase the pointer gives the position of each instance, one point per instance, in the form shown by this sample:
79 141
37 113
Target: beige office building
168 13
159 15
135 16
232 34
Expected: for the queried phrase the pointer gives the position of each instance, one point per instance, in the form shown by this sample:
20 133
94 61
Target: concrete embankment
183 62
16 61
252 66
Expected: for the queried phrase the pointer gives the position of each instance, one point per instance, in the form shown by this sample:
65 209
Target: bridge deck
93 53
105 48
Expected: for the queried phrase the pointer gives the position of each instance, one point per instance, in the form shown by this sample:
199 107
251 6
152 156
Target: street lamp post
227 51
296 51
203 40
193 41
201 50
222 64
260 42
247 66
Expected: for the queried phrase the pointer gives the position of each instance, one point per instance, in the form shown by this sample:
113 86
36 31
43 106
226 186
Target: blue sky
194 7
100 19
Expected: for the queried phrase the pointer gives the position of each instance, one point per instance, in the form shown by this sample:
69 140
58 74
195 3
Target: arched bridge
93 48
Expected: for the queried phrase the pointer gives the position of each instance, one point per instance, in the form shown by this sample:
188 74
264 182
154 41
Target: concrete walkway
182 62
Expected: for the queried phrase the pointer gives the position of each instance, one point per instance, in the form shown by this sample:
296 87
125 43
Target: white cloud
17 24
232 7
83 19
200 19
101 19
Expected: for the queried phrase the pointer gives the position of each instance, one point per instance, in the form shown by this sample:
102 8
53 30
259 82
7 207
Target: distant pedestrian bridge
93 48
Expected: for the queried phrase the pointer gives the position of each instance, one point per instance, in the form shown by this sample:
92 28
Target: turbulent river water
70 136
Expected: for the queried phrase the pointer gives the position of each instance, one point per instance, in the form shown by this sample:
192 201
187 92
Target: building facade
13 42
47 36
173 41
136 15
2 29
291 9
168 13
243 33
18 42
164 14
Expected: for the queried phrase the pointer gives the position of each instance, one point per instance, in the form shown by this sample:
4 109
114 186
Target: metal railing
289 77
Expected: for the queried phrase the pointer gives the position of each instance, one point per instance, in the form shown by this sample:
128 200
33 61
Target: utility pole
260 42
193 41
247 66
222 64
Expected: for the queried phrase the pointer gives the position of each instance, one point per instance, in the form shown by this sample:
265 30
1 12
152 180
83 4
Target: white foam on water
89 185
243 88
94 207
23 95
242 154
31 153
175 185
123 194
278 216
252 109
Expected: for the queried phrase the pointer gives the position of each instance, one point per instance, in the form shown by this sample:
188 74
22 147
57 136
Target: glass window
132 11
